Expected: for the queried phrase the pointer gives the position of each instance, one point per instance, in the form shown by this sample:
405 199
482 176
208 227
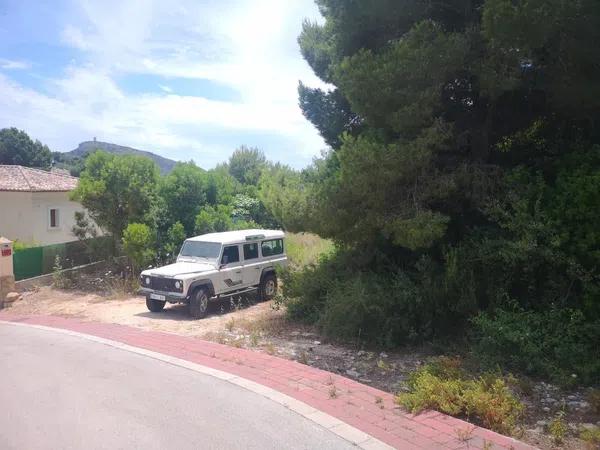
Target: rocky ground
244 323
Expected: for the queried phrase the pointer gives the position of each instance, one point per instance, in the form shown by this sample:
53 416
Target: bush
138 243
353 295
443 386
557 343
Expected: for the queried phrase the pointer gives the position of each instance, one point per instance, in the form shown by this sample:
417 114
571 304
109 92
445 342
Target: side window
230 255
250 251
272 247
53 218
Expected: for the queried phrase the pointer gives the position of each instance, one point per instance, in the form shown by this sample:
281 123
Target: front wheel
268 287
154 305
199 304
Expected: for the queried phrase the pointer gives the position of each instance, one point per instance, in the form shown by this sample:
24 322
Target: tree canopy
16 147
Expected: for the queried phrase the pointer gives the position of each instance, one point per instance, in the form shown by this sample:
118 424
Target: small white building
35 207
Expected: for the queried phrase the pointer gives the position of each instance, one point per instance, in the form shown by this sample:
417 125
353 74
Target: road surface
61 391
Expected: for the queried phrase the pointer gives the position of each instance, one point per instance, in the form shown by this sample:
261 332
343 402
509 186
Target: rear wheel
154 305
268 287
199 303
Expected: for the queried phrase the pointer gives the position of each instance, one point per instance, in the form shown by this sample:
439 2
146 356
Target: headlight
147 280
178 284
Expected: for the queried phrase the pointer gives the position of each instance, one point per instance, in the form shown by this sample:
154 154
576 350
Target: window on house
53 218
250 251
272 247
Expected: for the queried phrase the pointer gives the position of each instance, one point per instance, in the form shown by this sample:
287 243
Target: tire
154 305
199 303
268 287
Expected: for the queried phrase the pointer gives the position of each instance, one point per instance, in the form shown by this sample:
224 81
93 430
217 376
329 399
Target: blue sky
187 79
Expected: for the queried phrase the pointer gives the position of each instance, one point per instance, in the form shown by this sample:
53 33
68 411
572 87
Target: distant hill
165 164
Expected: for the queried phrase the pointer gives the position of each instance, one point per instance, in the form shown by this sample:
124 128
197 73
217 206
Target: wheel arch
202 283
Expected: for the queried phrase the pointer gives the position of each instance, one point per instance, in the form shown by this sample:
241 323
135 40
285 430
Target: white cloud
9 64
248 45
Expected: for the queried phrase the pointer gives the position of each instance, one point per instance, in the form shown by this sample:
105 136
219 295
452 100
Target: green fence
27 263
35 261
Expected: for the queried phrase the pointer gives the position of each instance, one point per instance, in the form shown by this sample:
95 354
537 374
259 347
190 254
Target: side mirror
224 261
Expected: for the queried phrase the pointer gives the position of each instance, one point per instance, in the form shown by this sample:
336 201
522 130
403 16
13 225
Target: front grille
163 284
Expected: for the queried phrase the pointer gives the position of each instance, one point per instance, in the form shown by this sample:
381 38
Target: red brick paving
355 403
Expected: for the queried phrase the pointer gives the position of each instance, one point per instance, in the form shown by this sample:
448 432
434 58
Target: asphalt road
63 392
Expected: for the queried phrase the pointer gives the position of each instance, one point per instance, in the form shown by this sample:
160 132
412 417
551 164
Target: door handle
257 268
238 271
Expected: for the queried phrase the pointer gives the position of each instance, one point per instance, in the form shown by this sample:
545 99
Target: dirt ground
248 324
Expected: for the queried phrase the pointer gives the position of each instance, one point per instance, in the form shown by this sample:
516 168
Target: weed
303 358
487 445
591 436
270 348
558 428
59 279
333 393
237 343
379 402
383 365
229 326
464 434
254 338
486 399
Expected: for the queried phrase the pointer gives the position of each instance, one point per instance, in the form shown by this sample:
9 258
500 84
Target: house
35 206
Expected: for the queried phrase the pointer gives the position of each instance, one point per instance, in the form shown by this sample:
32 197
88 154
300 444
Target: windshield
197 249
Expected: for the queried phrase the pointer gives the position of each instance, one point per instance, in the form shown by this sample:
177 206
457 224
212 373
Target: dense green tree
118 190
246 164
464 163
183 192
16 147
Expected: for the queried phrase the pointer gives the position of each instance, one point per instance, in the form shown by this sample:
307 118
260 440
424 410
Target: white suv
217 265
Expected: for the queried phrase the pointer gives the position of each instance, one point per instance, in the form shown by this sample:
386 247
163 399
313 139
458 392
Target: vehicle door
252 264
230 272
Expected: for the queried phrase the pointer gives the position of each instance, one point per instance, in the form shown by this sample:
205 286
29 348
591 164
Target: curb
334 425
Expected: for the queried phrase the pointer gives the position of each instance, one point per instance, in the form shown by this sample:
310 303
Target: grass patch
304 249
442 385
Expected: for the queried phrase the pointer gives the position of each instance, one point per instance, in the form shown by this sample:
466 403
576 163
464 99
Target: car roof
232 237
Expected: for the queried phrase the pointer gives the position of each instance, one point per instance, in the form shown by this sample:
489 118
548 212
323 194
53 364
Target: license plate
157 297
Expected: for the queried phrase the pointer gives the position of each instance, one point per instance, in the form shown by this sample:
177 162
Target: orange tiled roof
26 179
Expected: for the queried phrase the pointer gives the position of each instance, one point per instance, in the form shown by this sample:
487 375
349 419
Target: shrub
443 386
557 343
138 243
354 295
591 436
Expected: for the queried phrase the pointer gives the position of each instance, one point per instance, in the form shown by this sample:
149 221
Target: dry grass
304 248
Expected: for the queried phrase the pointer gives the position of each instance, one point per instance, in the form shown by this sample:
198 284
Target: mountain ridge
165 164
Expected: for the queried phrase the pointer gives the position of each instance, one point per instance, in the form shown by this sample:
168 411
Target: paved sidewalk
363 407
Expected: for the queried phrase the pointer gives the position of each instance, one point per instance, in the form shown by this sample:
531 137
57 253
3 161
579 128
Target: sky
186 79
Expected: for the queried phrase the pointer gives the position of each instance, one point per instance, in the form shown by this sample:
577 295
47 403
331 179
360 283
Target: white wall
16 216
25 216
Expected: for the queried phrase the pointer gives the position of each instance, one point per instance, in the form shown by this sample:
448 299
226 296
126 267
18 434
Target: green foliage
556 343
118 190
175 237
16 147
246 165
442 386
591 436
285 194
558 428
212 220
356 296
183 193
138 243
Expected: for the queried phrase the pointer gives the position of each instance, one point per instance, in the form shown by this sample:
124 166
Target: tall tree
246 164
118 190
16 147
183 193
